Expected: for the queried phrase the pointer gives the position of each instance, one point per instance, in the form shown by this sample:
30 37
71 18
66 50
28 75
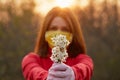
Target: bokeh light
44 6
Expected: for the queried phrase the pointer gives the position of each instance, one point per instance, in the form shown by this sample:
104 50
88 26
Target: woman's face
59 23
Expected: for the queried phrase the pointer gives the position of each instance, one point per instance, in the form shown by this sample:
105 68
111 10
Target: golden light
83 3
43 6
64 3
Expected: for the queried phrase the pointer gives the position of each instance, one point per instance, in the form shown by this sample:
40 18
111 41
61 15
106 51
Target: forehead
59 21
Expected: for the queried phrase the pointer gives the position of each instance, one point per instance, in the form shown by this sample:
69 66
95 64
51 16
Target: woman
37 65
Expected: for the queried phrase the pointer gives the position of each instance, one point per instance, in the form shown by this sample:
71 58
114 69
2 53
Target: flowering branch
59 52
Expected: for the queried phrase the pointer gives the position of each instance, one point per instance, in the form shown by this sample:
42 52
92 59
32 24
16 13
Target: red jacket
35 67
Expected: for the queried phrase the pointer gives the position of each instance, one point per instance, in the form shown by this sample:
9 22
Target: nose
59 28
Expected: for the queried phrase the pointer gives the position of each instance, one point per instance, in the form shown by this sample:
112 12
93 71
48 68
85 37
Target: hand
60 71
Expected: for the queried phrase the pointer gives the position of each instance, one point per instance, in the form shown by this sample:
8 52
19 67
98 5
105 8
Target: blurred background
99 19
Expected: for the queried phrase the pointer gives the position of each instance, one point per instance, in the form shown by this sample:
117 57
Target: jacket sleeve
84 68
32 69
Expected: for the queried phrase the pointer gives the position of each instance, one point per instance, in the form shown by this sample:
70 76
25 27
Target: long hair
77 45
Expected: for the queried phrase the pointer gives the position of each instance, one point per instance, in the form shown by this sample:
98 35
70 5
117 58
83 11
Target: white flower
59 52
60 40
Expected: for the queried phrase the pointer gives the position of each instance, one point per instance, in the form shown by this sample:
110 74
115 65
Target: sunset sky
43 6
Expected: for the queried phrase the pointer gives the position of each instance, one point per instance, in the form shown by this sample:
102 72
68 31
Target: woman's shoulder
84 57
31 56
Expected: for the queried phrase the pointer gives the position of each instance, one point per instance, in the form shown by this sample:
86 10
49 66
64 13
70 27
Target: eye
66 29
52 28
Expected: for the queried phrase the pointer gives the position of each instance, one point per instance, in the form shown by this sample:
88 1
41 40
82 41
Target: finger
59 67
57 78
60 74
50 77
